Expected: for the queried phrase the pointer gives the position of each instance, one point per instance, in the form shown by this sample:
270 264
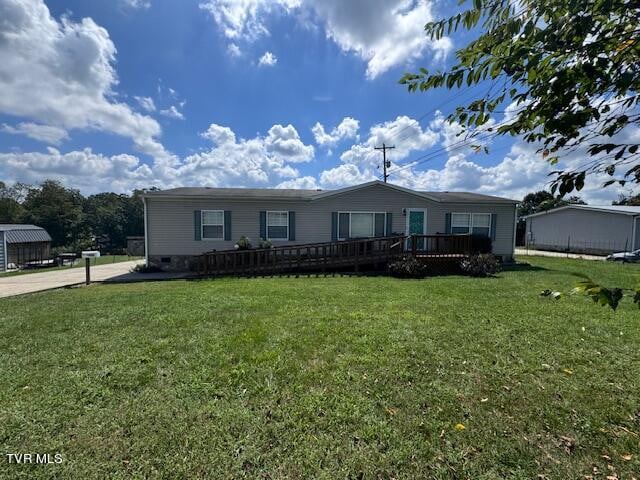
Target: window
481 224
278 225
212 224
475 223
460 222
361 224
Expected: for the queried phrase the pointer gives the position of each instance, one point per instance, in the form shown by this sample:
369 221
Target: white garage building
585 229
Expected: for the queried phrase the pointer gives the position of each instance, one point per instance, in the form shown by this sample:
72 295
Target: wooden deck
358 255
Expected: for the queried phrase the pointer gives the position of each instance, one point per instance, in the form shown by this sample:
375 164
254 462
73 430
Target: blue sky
123 94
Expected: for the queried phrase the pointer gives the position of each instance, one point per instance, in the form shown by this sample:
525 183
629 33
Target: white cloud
244 19
144 4
267 60
60 73
362 162
234 50
285 142
347 128
43 133
264 160
219 135
308 183
82 169
383 33
172 112
259 161
146 103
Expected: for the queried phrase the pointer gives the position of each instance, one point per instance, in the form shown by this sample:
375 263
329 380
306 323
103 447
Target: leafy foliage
631 200
571 69
482 265
58 210
604 296
143 268
541 201
73 221
408 267
243 243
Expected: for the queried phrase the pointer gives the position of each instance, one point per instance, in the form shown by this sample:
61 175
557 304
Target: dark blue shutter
263 225
197 225
447 223
227 224
292 225
334 226
389 230
494 217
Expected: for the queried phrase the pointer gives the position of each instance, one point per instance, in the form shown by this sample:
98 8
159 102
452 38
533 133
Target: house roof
15 233
248 193
616 209
300 194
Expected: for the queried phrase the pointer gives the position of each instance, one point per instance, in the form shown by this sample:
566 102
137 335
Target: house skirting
173 263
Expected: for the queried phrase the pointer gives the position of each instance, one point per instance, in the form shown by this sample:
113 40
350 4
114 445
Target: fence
356 254
573 245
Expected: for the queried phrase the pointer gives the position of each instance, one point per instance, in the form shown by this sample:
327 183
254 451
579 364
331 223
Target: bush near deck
358 377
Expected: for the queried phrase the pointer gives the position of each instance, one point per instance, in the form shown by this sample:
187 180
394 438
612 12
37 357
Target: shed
597 229
22 245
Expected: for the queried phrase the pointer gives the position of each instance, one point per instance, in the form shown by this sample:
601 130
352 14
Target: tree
570 69
631 200
105 215
542 201
10 209
58 210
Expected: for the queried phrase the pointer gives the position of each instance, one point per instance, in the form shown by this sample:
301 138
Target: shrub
482 265
244 243
143 268
480 244
265 244
408 267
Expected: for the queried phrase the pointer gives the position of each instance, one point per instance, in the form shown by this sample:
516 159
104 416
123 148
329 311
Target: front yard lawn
447 377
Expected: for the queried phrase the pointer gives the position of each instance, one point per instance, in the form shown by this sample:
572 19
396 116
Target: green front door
416 225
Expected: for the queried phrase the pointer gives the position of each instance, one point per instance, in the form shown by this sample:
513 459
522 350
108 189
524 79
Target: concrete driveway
35 282
545 253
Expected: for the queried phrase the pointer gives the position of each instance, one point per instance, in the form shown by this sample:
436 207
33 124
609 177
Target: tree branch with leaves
571 69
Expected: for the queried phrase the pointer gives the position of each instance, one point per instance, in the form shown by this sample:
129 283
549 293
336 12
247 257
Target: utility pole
385 163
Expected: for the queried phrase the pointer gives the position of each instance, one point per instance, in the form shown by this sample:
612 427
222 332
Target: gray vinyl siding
171 221
580 231
637 222
2 253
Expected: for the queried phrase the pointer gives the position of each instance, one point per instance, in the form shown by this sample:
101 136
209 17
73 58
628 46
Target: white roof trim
354 188
591 208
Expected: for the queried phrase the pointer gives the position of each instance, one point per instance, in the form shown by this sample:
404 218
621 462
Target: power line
464 98
385 162
456 146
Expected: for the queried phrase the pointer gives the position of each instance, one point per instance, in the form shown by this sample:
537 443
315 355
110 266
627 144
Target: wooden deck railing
322 257
439 245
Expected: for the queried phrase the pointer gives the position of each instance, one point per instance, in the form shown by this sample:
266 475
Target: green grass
325 378
105 260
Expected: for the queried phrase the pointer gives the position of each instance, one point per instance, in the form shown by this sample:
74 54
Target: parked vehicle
625 256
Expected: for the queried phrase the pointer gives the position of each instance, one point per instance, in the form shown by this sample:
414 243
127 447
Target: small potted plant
243 243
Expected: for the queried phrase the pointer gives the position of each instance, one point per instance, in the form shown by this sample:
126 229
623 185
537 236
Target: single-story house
597 229
22 244
181 223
